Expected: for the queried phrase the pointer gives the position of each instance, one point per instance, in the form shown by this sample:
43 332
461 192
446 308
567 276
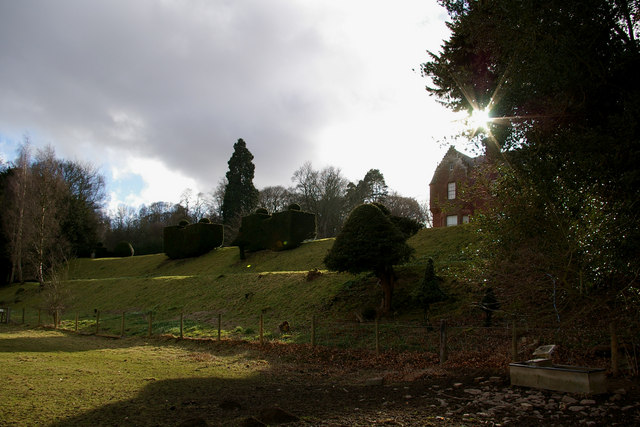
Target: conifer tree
240 195
369 241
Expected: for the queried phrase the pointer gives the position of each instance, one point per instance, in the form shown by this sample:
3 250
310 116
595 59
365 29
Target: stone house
450 198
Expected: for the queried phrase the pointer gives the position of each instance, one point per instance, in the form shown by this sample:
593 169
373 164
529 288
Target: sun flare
479 119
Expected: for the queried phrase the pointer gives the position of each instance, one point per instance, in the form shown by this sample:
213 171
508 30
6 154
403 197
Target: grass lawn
56 378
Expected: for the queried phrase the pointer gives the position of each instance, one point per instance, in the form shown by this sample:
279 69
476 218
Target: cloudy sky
156 92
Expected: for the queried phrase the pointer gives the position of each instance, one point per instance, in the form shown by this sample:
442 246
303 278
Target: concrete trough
569 379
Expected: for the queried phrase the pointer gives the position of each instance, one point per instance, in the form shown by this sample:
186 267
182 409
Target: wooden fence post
150 323
514 343
377 337
97 322
615 367
443 341
313 330
261 328
122 325
181 325
219 326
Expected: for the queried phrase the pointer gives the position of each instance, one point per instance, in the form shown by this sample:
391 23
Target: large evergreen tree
369 241
240 195
559 78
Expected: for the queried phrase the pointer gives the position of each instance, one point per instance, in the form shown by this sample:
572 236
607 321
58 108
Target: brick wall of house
457 168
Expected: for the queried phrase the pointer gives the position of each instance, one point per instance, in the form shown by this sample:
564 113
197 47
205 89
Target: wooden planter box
570 379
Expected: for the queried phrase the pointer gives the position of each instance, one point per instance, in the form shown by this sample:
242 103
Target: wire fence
510 342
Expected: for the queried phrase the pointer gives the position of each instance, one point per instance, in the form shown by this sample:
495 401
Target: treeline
54 209
326 193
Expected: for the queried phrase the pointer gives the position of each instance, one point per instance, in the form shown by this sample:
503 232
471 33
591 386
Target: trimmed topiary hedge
288 229
280 231
192 240
123 249
253 232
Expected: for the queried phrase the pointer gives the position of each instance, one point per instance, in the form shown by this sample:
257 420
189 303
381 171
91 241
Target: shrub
385 210
192 240
100 251
288 229
252 235
280 231
123 249
183 223
369 313
204 221
294 207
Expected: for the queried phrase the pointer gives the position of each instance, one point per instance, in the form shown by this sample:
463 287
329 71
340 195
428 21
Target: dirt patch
331 387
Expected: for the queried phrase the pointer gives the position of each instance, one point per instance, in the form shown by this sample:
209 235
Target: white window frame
452 220
465 219
451 190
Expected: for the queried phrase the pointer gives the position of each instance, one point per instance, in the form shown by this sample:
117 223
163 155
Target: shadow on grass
64 341
228 402
172 402
217 400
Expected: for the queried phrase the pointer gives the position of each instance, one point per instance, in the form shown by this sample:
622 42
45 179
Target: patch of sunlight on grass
289 272
171 277
50 376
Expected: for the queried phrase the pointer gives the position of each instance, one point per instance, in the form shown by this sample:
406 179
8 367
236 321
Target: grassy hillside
276 284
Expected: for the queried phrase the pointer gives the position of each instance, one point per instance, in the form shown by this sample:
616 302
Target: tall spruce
240 195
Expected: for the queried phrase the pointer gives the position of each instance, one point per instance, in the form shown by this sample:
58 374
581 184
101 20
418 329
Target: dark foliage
560 80
192 240
369 241
280 231
123 249
429 291
240 195
5 258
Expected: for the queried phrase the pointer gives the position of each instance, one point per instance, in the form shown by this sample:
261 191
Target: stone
576 408
442 402
457 385
568 400
587 402
473 391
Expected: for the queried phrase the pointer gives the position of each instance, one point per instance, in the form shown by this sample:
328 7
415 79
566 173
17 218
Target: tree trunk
387 281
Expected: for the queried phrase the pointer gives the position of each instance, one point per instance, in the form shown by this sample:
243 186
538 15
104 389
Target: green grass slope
275 284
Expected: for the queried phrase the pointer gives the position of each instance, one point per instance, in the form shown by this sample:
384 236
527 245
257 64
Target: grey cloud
177 81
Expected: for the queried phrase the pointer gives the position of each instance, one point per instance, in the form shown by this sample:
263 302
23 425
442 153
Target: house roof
453 155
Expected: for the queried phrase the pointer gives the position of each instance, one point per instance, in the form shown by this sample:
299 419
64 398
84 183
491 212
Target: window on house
465 219
450 166
451 190
452 220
